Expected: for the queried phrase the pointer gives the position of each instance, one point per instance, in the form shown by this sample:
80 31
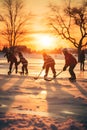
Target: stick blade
35 78
49 79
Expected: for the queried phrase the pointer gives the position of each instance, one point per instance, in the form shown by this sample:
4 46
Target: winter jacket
48 61
70 60
11 57
23 60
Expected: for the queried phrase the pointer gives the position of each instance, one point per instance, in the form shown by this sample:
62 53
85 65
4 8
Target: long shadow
8 91
63 105
83 91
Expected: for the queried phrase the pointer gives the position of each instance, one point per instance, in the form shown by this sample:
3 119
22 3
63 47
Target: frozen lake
35 63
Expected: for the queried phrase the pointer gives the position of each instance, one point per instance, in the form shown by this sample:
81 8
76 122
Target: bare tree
71 24
14 21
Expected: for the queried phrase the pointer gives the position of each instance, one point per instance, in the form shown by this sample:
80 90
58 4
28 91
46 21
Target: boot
26 73
9 72
45 76
21 73
72 79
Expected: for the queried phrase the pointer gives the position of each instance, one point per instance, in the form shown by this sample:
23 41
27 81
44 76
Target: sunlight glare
45 41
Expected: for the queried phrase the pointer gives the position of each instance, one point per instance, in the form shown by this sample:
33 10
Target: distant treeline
29 50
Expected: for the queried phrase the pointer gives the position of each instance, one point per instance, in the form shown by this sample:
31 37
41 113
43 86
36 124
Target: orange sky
41 37
39 7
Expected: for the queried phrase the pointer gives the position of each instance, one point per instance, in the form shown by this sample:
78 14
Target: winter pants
82 65
24 68
11 64
52 66
71 71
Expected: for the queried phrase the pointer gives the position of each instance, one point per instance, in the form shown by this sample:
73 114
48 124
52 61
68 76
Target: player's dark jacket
70 60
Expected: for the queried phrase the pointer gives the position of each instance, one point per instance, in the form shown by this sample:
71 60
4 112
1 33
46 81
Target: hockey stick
38 75
59 73
47 79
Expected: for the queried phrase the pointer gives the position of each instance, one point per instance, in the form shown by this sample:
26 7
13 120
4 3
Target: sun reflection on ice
68 112
43 94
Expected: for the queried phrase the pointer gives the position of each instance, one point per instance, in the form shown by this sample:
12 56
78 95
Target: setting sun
45 41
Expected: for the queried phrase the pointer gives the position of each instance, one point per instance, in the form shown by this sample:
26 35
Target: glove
43 67
64 68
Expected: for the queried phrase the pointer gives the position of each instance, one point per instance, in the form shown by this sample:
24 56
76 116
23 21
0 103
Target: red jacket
70 60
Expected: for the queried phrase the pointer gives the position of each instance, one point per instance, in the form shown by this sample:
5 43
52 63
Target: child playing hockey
24 64
11 58
49 63
70 62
